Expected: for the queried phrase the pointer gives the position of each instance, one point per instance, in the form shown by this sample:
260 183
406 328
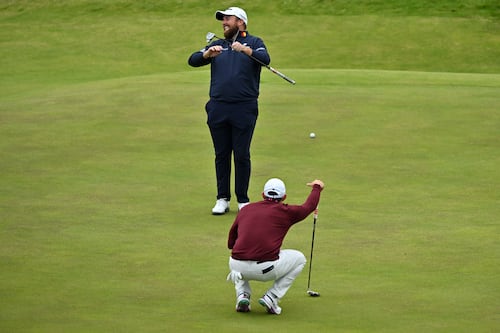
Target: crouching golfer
255 239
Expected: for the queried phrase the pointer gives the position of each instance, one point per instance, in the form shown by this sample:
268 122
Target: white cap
232 11
274 188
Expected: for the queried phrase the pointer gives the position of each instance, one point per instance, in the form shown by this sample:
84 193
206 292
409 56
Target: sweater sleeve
300 212
259 52
196 59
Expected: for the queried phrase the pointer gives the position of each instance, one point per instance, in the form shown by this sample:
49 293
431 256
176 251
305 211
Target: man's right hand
316 182
212 51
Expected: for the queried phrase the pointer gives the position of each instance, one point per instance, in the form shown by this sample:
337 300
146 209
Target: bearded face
230 26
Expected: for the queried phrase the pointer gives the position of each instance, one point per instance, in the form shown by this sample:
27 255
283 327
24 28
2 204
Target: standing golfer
256 237
233 106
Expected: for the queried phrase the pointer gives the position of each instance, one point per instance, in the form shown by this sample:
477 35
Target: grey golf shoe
270 304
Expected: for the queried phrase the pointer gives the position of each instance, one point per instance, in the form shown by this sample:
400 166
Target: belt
265 270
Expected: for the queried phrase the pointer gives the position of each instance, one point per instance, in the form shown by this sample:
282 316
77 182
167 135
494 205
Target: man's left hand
238 47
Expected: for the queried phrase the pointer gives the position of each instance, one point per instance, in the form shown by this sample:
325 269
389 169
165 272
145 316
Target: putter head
313 293
209 36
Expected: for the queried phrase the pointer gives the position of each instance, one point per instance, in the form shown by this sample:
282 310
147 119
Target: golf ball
312 135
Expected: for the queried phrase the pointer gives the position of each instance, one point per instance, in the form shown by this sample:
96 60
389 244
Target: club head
313 293
209 36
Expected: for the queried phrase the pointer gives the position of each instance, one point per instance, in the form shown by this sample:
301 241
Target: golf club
309 291
211 35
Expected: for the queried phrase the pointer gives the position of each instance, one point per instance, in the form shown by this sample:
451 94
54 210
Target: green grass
107 173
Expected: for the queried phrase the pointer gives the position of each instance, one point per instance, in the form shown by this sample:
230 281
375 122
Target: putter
309 291
211 35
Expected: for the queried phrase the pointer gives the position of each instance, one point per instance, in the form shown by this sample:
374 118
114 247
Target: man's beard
231 32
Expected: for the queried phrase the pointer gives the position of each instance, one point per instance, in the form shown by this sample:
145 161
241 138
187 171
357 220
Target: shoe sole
217 213
268 308
243 306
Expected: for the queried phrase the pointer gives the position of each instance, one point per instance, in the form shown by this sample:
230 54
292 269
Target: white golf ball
312 135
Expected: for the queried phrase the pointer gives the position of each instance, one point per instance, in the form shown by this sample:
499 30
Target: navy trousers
231 127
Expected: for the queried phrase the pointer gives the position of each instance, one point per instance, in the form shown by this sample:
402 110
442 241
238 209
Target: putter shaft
315 217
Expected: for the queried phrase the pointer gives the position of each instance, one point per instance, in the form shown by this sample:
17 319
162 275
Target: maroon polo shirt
259 229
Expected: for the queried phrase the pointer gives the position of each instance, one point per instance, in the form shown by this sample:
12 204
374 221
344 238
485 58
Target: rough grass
468 8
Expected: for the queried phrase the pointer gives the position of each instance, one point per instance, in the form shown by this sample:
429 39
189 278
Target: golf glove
234 276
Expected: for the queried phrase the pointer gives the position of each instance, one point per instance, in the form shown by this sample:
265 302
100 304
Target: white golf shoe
270 304
221 207
241 205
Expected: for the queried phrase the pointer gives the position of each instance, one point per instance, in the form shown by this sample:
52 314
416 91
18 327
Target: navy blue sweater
235 77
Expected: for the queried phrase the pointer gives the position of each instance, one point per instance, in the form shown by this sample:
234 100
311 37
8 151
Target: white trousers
283 271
